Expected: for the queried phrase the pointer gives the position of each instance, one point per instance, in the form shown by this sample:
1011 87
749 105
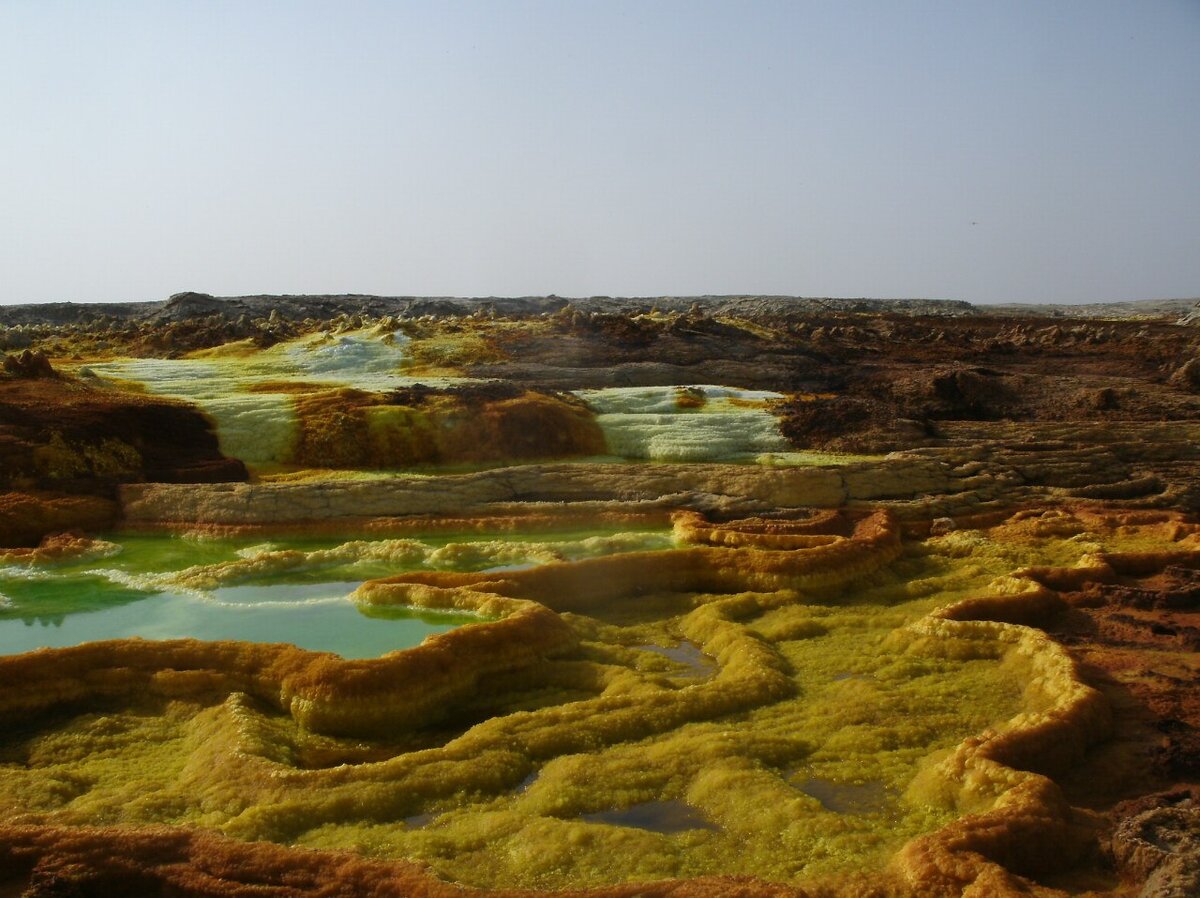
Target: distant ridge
297 307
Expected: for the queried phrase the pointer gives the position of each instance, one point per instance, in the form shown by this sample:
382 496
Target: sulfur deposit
365 596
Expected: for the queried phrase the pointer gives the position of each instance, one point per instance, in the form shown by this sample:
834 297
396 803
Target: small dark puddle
688 654
847 798
416 821
524 785
656 816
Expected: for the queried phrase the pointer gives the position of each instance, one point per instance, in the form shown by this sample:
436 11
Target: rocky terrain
928 605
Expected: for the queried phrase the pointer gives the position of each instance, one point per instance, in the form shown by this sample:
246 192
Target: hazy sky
991 151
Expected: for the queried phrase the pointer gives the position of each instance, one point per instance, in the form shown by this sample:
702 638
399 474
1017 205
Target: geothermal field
753 596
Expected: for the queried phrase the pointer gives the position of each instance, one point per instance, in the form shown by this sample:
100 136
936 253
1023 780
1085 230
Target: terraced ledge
1009 819
710 486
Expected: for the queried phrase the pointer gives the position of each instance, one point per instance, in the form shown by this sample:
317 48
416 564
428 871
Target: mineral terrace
754 596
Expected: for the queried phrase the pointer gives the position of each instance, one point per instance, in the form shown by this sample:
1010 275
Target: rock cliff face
904 601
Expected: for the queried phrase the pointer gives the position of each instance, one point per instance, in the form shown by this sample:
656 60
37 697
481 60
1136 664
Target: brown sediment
46 861
574 517
27 517
345 428
690 398
332 429
57 548
527 427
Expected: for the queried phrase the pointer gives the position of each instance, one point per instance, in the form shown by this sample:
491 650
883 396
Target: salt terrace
351 596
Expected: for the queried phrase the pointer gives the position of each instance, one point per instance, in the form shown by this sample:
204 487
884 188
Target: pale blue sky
989 151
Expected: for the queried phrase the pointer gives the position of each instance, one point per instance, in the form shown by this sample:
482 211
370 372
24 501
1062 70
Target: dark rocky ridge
190 305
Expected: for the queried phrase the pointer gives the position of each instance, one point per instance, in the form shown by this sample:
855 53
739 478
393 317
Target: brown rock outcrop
26 517
64 447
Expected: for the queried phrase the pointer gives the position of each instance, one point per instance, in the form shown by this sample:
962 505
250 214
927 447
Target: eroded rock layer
966 668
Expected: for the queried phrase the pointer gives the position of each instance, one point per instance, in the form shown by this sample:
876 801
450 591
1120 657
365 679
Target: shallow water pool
294 590
315 616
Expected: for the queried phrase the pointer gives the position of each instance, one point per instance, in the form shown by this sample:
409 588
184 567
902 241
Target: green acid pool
293 590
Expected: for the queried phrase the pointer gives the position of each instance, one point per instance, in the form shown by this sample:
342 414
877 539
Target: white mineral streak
257 428
647 422
260 427
352 359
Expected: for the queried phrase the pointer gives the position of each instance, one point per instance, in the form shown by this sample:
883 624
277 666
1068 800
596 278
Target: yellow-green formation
785 699
337 400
